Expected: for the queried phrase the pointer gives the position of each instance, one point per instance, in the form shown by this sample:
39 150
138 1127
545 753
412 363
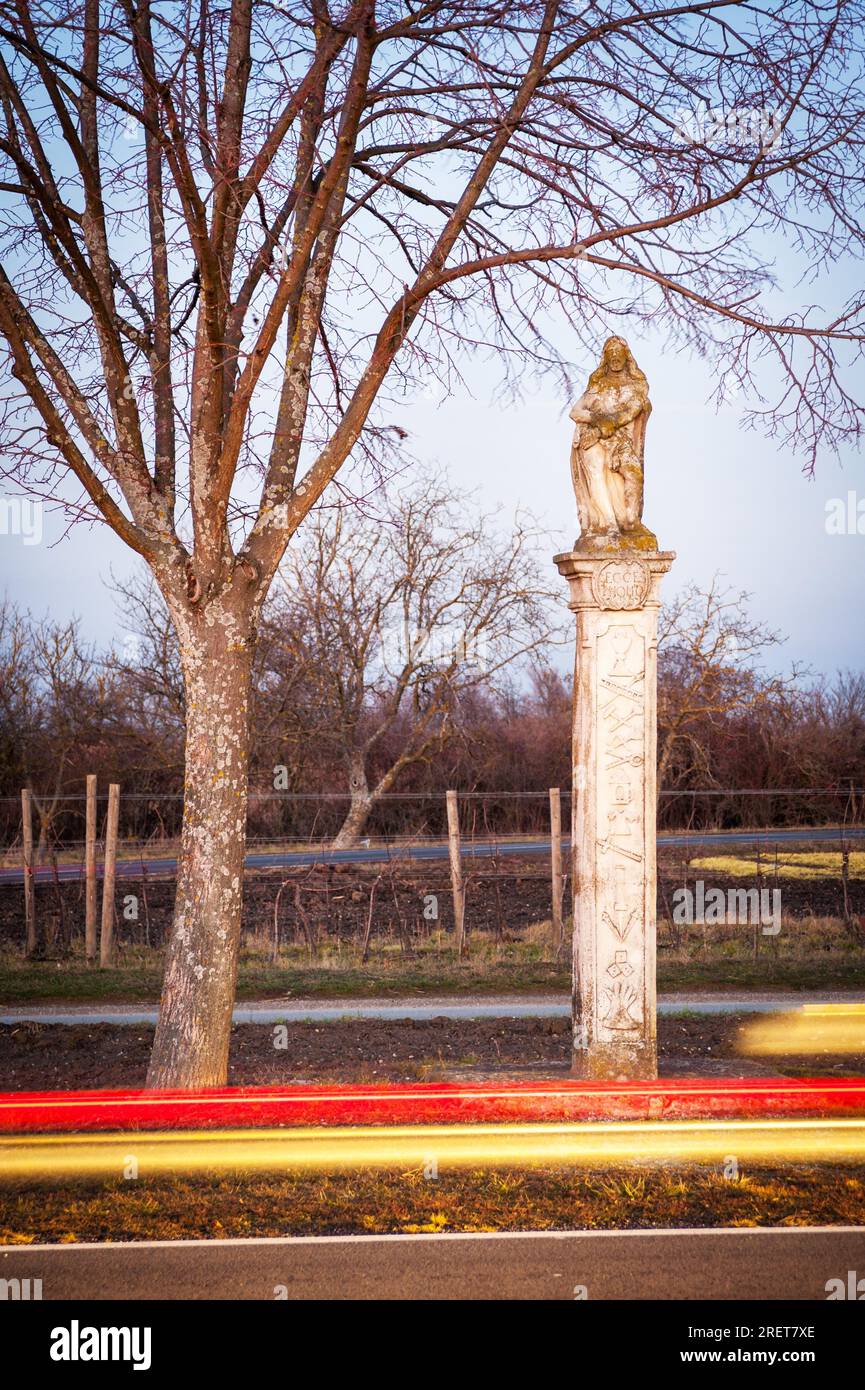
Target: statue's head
617 365
615 355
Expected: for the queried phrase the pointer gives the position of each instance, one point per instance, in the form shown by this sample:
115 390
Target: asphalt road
504 1006
481 849
737 1264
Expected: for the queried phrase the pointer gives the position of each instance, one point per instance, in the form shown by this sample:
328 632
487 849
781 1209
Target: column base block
615 1062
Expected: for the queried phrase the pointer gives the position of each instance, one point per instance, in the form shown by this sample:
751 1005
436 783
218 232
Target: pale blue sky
722 498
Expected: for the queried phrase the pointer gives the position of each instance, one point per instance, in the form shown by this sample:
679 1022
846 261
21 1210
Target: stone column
615 598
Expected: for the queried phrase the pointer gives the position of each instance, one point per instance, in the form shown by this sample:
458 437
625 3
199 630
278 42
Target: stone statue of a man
607 454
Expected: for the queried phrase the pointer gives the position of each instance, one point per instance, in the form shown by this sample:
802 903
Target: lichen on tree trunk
361 805
190 1048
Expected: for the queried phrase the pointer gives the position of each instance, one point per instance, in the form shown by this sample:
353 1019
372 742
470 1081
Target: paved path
790 1264
501 1006
481 849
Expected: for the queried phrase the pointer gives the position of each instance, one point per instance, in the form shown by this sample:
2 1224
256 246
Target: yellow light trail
51 1157
811 1030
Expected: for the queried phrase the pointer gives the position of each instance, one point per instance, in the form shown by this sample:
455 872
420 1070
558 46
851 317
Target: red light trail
524 1102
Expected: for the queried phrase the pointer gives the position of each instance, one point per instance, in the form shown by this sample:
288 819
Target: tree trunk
666 753
362 802
190 1049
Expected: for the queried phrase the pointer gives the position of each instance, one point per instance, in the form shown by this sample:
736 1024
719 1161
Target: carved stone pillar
615 598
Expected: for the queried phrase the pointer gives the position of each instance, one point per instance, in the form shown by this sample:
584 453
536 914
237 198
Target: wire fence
508 877
405 904
152 820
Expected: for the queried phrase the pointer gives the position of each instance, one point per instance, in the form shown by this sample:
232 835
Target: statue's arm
580 413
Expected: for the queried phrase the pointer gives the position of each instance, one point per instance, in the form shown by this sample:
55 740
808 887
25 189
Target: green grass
137 975
809 953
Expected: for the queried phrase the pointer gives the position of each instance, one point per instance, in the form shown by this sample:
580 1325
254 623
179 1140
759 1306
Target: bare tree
17 697
53 695
709 654
825 743
396 617
148 655
225 227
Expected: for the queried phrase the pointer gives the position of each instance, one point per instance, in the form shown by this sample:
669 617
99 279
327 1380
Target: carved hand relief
620 821
623 1004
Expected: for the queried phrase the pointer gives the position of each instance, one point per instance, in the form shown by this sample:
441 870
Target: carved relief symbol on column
623 713
620 966
624 760
620 822
621 639
625 910
621 998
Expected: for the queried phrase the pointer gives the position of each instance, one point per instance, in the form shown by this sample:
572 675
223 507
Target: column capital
619 580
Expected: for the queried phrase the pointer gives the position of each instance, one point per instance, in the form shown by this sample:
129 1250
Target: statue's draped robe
607 464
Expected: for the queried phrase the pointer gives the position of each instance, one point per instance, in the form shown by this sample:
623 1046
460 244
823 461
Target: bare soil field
57 1057
504 895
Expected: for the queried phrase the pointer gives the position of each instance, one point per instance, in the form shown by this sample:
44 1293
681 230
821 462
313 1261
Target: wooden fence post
456 870
90 936
106 935
556 862
27 862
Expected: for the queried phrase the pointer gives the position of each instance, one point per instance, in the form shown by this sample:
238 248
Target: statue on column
607 454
